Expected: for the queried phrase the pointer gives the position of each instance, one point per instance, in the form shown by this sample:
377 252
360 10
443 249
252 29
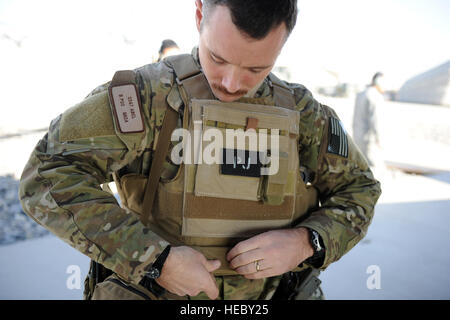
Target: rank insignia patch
338 142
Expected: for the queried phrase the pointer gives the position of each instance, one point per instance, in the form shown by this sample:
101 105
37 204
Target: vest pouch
229 163
165 219
114 288
275 187
238 178
222 200
131 188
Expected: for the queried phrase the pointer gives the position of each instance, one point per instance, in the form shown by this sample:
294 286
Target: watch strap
159 262
317 259
153 271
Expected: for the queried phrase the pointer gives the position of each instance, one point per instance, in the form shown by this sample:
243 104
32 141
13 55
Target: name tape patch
127 108
338 142
241 163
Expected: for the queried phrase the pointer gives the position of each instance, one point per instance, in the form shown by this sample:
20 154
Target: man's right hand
187 272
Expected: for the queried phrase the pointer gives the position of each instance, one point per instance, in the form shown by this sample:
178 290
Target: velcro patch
127 108
241 163
337 138
88 119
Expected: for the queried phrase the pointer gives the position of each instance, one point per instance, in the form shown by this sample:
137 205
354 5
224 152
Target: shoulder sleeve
60 187
347 188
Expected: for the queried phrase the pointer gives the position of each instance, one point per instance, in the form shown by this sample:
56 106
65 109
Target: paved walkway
407 245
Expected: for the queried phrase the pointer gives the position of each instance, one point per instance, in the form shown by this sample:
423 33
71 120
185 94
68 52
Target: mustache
222 89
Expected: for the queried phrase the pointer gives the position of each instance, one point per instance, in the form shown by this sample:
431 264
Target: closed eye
256 70
216 59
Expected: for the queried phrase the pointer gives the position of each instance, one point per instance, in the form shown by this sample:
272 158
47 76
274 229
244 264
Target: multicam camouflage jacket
61 185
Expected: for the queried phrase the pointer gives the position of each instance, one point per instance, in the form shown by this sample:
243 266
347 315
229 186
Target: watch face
153 273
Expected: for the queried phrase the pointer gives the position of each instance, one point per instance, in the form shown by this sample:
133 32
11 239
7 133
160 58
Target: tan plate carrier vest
203 208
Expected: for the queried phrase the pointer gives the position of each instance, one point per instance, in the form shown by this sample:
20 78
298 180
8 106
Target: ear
198 13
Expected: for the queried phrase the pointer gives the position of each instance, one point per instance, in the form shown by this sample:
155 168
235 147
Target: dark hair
167 44
375 78
256 18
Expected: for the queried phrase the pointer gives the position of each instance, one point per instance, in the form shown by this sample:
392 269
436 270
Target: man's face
380 84
170 52
232 62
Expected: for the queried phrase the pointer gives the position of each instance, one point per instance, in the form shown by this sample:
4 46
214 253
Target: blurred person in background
365 120
168 48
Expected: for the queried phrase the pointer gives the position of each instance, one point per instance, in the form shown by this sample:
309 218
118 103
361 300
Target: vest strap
123 77
282 95
194 83
184 66
190 77
162 147
126 77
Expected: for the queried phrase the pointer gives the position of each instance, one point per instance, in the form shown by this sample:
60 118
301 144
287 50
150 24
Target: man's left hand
273 253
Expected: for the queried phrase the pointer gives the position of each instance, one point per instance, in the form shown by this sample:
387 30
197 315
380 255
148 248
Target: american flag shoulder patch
337 138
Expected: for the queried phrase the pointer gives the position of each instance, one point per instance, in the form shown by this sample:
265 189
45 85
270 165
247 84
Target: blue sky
353 38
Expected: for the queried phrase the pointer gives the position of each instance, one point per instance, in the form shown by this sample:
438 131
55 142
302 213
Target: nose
231 79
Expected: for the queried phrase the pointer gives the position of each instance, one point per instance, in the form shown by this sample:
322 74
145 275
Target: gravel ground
15 225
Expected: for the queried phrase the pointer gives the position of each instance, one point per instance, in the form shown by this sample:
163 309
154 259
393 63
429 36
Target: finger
211 289
246 258
251 268
261 274
212 265
242 247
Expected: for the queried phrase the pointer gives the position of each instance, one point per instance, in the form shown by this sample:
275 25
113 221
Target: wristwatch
154 271
315 240
319 250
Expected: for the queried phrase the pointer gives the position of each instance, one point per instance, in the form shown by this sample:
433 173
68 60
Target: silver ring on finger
257 265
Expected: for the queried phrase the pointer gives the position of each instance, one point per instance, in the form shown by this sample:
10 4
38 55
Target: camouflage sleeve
60 188
347 188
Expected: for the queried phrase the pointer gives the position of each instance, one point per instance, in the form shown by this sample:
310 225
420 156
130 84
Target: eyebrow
250 67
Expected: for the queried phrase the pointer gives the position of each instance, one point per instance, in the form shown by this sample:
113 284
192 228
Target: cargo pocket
219 181
114 288
235 169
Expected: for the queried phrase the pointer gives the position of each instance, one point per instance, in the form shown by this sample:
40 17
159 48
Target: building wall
431 87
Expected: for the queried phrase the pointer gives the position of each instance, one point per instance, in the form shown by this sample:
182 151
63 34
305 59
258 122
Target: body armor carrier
213 206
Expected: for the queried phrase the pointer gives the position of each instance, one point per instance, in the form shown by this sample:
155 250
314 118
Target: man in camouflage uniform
88 146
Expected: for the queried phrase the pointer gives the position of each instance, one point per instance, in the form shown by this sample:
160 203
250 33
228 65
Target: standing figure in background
365 120
168 48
